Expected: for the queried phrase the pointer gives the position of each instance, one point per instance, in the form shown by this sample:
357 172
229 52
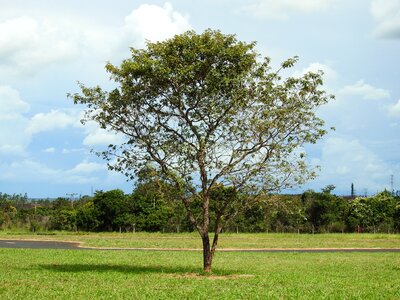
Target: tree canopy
206 110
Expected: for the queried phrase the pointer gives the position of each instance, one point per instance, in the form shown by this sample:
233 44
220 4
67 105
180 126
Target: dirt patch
212 276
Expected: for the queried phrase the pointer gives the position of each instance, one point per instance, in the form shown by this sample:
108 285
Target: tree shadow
130 269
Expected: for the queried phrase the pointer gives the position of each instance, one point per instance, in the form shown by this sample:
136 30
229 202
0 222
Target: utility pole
71 197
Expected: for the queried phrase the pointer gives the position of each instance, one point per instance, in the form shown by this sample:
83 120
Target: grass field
230 240
98 274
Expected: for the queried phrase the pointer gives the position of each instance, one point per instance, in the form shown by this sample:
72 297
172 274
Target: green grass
230 240
71 274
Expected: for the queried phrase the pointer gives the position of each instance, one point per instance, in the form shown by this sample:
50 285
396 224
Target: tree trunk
207 253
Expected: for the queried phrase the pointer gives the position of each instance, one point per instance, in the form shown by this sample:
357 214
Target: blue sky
47 46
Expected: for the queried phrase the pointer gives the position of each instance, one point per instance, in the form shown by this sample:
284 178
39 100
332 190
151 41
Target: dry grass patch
211 276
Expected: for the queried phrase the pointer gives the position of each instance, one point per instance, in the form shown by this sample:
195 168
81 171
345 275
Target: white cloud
17 130
329 73
17 34
69 151
55 119
36 40
13 122
101 137
394 110
346 161
27 170
387 15
155 23
365 91
96 136
10 101
49 150
7 149
86 167
282 9
27 44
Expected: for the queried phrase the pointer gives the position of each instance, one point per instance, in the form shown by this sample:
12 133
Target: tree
360 213
109 205
206 109
328 189
152 201
87 216
324 211
63 219
383 207
284 212
376 213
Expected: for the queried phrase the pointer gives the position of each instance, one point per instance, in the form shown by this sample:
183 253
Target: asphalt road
75 246
37 244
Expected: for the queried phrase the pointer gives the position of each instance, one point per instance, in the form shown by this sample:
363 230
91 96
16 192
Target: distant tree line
153 206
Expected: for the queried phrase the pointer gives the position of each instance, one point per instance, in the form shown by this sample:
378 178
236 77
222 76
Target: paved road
75 246
37 244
